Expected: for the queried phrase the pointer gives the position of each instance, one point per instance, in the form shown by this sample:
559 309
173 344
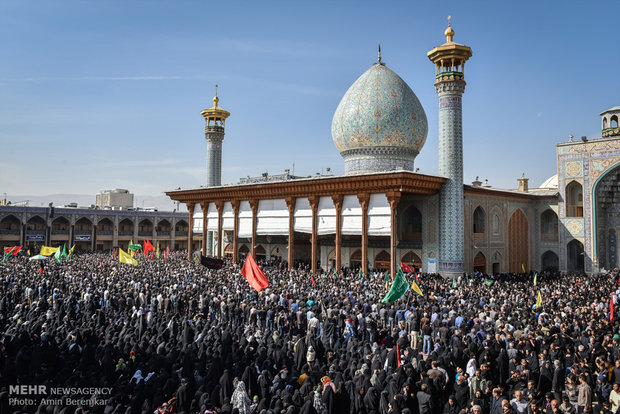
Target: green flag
361 274
6 258
64 251
454 283
466 277
58 255
398 288
488 282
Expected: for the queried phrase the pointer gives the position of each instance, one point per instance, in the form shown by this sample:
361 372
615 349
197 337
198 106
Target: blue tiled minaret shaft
449 60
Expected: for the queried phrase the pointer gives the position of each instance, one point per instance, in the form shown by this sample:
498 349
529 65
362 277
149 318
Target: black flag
211 262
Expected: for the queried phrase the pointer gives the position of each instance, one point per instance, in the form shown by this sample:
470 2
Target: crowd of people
170 335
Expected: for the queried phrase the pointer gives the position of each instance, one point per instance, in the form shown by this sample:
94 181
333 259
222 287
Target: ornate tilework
574 169
379 110
451 212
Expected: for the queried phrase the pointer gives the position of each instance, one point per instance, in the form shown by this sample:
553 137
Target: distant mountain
161 202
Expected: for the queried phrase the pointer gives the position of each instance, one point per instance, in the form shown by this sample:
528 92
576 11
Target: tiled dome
379 124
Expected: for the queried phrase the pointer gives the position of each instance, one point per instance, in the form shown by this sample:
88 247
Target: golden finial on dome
215 98
449 31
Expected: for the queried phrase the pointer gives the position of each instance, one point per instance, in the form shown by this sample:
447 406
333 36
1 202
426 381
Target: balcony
9 231
35 232
83 232
105 232
60 231
163 233
181 233
608 132
444 76
145 233
214 128
125 232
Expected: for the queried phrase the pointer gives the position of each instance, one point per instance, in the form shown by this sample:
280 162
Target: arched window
574 200
614 122
497 225
411 225
549 226
604 123
382 260
479 219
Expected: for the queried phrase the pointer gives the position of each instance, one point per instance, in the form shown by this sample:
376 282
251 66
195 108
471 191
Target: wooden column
393 198
254 206
337 199
235 206
290 203
220 210
205 207
314 204
190 231
364 198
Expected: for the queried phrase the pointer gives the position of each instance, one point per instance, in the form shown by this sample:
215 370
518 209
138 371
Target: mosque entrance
518 238
412 259
607 199
575 253
382 261
355 262
480 263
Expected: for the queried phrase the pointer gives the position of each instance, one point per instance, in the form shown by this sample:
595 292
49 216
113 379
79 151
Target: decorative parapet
449 76
611 131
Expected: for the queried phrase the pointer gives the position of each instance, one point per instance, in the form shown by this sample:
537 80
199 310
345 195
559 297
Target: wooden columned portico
337 199
235 206
220 220
364 199
314 205
405 182
205 207
290 203
190 232
393 199
254 206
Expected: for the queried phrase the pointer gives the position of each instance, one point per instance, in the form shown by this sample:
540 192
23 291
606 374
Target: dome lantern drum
379 124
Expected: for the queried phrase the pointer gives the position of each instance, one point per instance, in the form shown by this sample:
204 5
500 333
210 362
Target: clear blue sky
104 94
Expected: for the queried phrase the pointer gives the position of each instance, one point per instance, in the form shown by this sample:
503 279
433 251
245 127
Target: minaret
449 60
215 117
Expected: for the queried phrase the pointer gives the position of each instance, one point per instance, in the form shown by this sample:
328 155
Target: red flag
41 270
13 250
417 277
256 278
406 268
312 277
398 361
611 309
148 247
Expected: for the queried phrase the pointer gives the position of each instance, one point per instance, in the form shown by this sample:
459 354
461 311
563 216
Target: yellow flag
416 288
124 257
71 250
535 278
523 267
157 252
539 301
47 251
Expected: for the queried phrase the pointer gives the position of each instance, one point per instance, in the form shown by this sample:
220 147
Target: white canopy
351 216
212 217
228 217
272 217
303 216
378 215
245 220
326 216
